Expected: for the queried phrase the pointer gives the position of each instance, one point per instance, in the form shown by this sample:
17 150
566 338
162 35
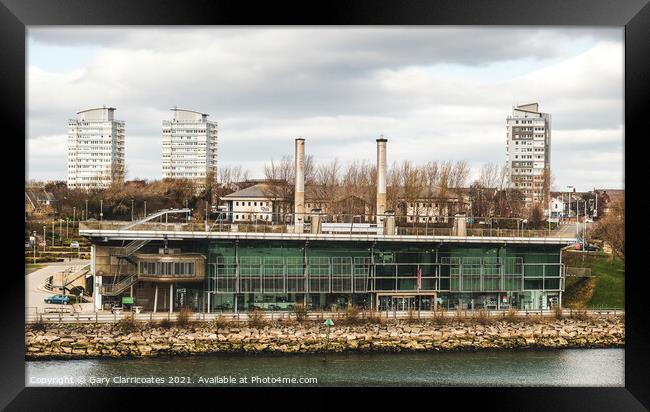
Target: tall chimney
299 193
381 180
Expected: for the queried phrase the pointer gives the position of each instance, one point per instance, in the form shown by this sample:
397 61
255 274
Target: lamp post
145 208
131 210
86 209
53 233
44 239
34 247
584 234
74 216
573 187
101 210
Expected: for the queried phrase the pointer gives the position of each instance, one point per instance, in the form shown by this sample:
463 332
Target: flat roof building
189 146
528 151
95 149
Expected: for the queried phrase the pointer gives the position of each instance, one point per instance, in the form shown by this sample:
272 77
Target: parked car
60 299
74 243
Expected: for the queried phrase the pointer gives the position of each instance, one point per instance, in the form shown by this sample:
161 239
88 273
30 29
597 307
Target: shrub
300 312
184 316
165 323
579 315
351 315
371 317
511 315
557 312
460 315
256 318
482 317
39 325
219 322
439 318
127 324
410 316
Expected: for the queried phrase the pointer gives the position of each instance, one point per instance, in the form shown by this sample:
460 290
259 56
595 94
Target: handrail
116 288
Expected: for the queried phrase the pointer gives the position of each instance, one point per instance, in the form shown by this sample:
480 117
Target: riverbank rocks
104 340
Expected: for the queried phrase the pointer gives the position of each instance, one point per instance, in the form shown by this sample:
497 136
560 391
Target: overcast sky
440 93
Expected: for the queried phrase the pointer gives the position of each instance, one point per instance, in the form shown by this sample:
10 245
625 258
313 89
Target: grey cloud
337 87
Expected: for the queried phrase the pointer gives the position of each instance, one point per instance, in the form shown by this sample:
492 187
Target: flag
419 277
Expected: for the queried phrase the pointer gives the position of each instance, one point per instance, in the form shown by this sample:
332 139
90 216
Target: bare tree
459 174
327 183
611 227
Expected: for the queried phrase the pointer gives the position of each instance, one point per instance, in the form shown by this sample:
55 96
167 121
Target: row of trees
406 184
331 182
120 200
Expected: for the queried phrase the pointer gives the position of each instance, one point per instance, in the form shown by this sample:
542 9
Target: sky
436 93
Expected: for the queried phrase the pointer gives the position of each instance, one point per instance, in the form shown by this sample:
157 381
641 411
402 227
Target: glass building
240 273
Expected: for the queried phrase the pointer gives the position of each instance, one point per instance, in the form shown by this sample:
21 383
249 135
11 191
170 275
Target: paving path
35 291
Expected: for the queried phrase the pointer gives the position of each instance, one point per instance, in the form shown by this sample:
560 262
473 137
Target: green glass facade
277 275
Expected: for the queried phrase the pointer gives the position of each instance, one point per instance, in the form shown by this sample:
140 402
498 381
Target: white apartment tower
95 149
528 151
189 146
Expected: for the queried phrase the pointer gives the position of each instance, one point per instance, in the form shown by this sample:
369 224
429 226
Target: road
35 291
569 230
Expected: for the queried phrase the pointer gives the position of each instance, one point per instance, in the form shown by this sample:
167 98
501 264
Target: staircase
124 252
119 287
128 250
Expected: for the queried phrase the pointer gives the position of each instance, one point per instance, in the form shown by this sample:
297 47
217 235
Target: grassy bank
604 289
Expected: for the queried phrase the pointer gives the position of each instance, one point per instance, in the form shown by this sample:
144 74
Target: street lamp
101 210
131 210
34 247
44 238
86 209
574 188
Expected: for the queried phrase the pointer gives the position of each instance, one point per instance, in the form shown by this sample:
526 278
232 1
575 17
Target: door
403 303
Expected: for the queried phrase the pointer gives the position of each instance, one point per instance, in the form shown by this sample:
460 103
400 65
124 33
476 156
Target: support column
155 300
171 297
97 280
299 192
381 180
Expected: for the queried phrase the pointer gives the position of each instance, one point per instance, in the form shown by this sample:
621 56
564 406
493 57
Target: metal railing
116 288
263 222
107 317
129 249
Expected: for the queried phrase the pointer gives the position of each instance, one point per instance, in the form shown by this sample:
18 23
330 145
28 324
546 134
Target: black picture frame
634 15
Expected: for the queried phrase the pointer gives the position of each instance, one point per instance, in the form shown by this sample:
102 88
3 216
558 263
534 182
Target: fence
102 317
261 222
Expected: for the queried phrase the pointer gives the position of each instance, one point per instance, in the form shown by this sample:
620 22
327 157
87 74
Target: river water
567 367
